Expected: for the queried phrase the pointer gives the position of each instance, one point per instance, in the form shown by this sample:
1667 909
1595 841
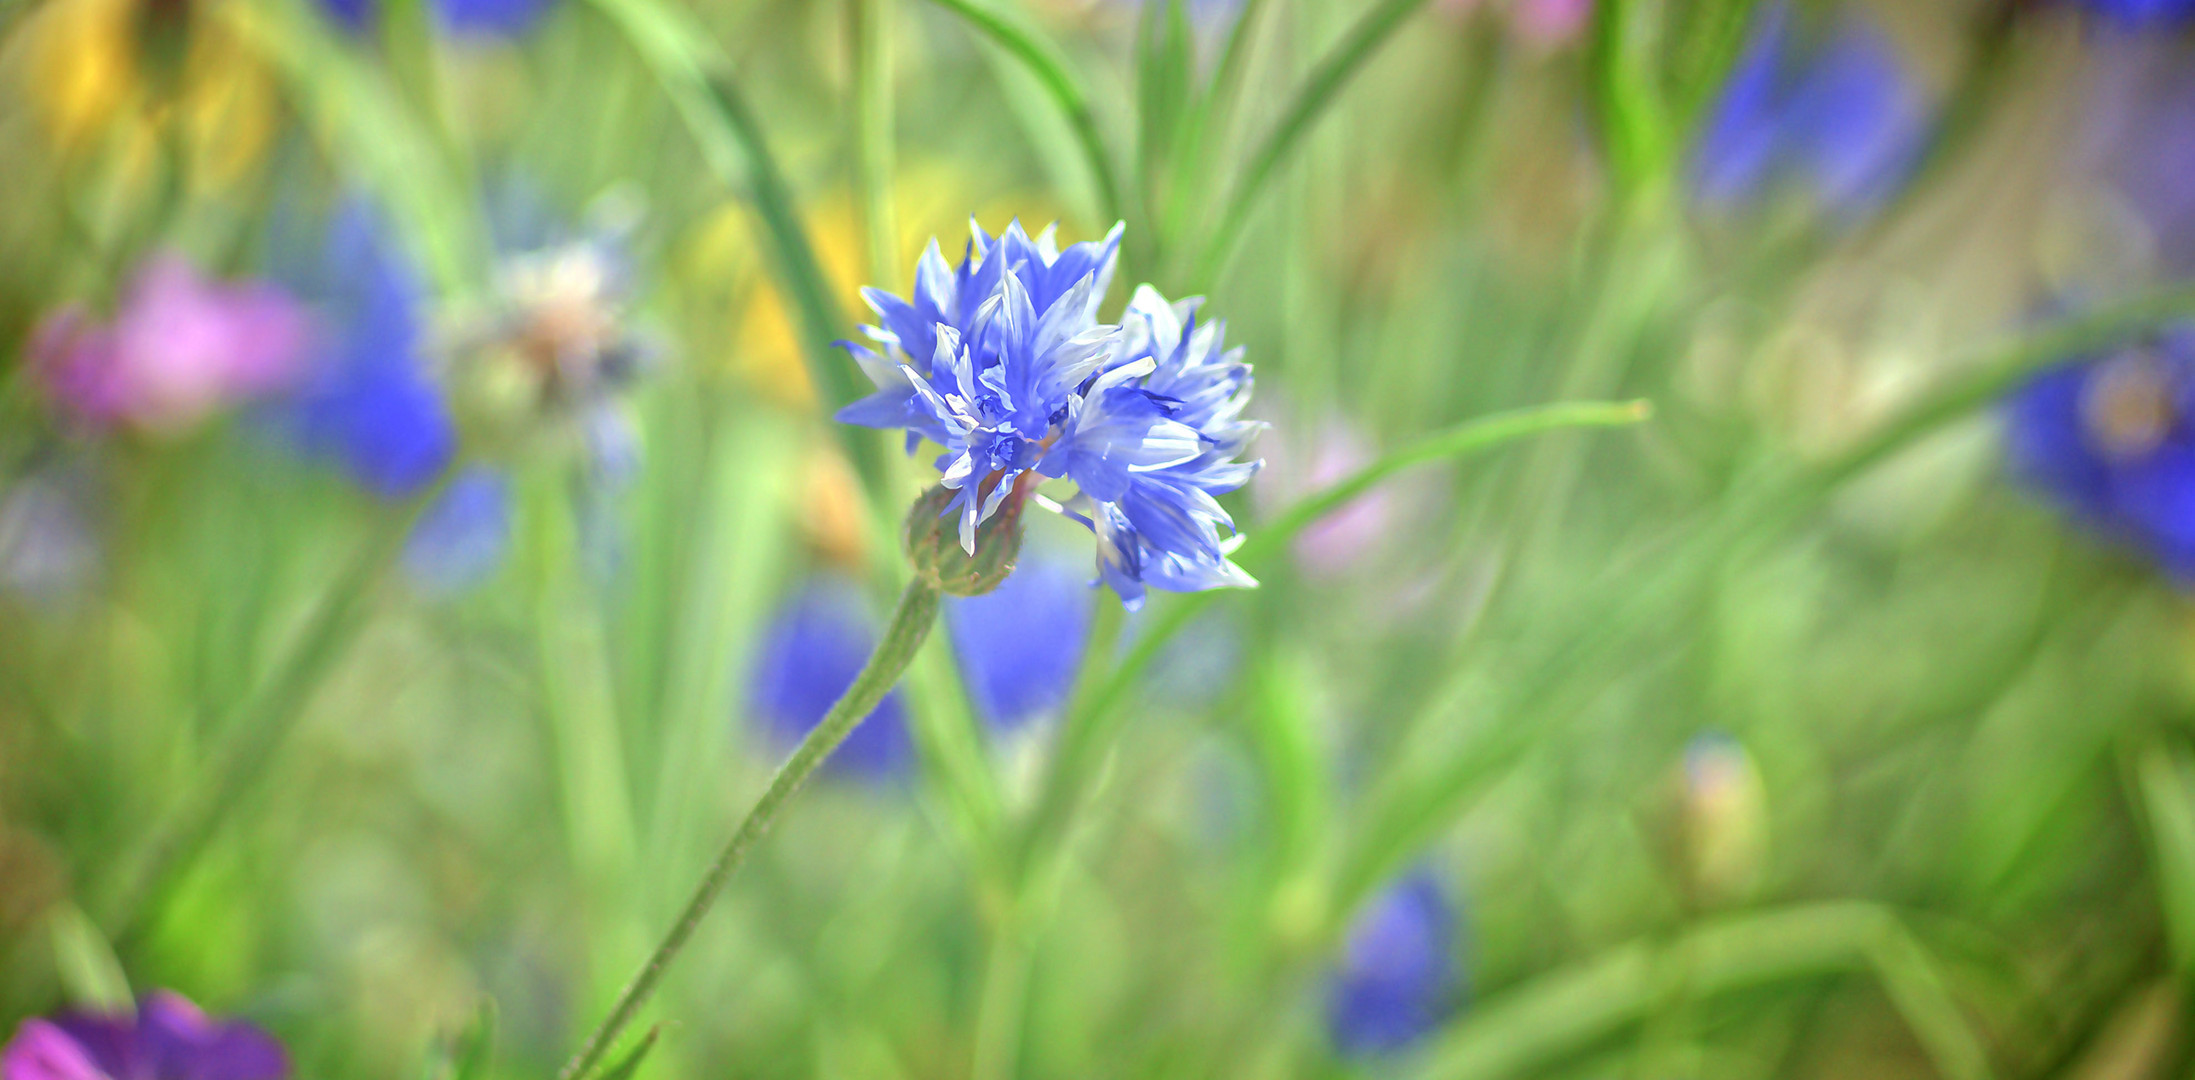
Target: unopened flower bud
933 543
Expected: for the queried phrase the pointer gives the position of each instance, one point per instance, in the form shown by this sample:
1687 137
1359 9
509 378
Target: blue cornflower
1002 362
1020 645
811 652
1396 975
372 405
2109 439
1846 118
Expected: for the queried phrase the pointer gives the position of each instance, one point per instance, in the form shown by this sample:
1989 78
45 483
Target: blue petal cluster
2110 440
1844 117
1395 979
1003 363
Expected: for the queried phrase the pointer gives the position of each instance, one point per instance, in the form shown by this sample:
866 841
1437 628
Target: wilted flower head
1843 117
1396 973
179 348
811 652
2109 439
1002 362
167 1039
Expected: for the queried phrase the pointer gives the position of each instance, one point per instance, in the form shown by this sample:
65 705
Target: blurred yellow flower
766 348
128 75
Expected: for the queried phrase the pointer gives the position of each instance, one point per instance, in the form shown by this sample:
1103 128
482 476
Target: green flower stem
1044 60
254 734
1318 91
1094 716
917 612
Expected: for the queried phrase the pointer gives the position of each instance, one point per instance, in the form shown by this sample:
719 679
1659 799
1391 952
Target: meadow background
395 699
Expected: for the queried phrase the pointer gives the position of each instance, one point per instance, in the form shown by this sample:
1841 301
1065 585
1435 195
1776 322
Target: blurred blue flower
1843 117
467 18
1002 362
811 652
460 540
1397 975
2141 12
1020 645
167 1039
371 405
2140 131
50 549
2109 440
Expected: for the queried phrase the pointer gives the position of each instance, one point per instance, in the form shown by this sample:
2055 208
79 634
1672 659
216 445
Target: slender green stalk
1093 719
917 612
869 40
1044 60
1005 997
255 733
1319 91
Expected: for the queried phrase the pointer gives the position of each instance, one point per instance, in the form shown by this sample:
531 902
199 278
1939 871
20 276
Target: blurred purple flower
179 348
370 404
2109 440
810 654
1020 645
168 1039
1396 979
1843 117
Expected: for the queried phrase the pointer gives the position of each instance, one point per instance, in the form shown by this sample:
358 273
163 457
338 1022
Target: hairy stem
918 607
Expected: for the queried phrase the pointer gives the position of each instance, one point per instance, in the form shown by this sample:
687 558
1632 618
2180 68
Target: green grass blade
1319 91
2167 780
1091 723
696 75
355 109
1044 59
1530 1029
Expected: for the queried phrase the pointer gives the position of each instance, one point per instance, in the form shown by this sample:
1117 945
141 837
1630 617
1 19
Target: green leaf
1528 1030
2167 779
91 978
1165 57
1045 60
626 1066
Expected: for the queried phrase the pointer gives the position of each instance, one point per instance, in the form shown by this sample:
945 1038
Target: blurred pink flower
1545 23
179 347
1297 466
